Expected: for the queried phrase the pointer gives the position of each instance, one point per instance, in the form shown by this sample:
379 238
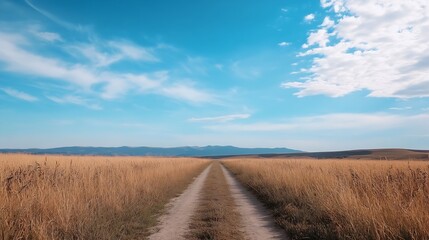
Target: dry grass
74 197
216 217
342 199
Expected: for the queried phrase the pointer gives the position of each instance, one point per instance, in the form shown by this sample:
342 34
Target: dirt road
210 205
175 223
256 219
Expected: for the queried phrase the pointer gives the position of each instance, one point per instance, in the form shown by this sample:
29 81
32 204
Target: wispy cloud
380 46
19 95
184 91
400 108
95 56
44 35
224 118
49 36
195 65
17 59
244 70
331 122
76 100
54 18
133 51
95 76
103 54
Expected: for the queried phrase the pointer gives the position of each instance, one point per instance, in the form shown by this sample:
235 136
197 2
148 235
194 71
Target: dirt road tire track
256 219
175 223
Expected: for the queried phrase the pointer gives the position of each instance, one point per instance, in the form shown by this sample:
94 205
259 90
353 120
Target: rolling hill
377 154
155 151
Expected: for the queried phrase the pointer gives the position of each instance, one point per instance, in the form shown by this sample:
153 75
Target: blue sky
310 75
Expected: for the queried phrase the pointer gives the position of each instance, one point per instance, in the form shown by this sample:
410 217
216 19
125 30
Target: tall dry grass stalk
76 197
342 199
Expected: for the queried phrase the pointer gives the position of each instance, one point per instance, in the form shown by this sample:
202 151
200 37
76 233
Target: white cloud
283 44
337 5
224 118
319 37
309 17
285 10
327 23
379 46
18 94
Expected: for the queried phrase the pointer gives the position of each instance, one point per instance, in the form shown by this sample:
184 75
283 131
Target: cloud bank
376 45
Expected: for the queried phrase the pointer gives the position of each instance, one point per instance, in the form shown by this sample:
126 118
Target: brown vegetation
341 199
72 197
215 217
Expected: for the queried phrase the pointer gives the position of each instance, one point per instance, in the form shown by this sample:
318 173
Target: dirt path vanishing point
175 223
253 220
256 219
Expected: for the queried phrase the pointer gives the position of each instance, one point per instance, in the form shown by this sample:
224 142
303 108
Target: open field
70 197
341 199
94 197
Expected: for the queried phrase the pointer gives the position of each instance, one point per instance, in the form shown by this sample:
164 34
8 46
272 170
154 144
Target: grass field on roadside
341 199
76 197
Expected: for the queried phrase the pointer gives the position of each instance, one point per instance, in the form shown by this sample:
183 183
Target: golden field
341 199
76 197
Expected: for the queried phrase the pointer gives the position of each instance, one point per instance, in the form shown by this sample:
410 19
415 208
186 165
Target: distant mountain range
155 151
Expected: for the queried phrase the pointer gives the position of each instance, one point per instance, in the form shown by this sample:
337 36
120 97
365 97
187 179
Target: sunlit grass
71 197
342 199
